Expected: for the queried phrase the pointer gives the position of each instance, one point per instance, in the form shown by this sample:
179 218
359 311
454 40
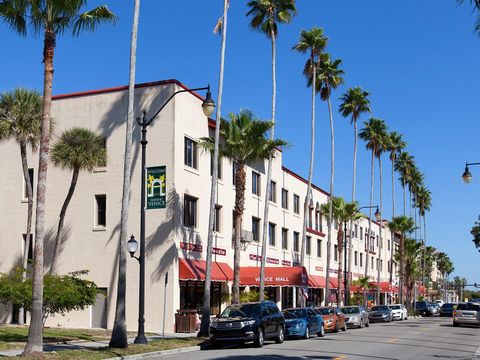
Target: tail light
454 312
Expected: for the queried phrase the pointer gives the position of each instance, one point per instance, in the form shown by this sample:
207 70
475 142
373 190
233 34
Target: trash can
185 321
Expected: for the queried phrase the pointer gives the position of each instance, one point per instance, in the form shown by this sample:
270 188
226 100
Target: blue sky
418 59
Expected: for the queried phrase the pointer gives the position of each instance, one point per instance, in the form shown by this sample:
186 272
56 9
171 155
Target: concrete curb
154 354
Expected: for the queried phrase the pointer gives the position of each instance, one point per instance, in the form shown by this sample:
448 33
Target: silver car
466 313
380 313
355 316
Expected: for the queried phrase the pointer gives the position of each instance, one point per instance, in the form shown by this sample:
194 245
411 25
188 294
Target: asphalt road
423 338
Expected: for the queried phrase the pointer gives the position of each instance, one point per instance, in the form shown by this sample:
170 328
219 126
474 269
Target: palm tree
315 42
329 77
415 181
423 202
373 134
404 163
476 6
52 18
266 14
445 266
245 142
119 338
343 212
204 327
353 103
395 146
20 119
411 256
77 149
401 225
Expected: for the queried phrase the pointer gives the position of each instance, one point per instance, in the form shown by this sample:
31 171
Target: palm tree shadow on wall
49 246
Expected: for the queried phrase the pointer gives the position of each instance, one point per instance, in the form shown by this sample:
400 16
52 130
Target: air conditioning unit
247 236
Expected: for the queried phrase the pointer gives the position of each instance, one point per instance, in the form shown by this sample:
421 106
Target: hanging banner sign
156 187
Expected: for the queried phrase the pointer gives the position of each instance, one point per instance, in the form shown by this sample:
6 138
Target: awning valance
274 276
191 269
316 281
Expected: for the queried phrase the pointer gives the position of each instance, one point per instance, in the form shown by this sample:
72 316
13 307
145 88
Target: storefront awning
334 282
274 276
316 281
191 269
385 287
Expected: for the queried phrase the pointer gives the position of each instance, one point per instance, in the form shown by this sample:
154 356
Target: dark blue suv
255 321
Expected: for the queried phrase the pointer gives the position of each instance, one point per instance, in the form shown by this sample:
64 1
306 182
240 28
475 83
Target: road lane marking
392 340
476 356
340 357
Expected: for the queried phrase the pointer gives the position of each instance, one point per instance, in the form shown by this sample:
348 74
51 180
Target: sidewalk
78 345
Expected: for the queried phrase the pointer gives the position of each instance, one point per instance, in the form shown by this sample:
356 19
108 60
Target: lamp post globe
467 175
208 104
378 215
132 245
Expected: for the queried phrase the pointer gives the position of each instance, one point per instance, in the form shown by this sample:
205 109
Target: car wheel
307 333
391 319
280 335
361 324
260 338
344 327
367 324
335 330
321 333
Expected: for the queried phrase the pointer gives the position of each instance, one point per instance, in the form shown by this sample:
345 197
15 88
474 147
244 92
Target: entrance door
99 310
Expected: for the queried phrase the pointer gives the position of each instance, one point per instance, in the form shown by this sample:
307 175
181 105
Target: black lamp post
208 107
467 175
345 273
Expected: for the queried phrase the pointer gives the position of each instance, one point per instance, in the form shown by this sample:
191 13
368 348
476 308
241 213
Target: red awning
422 290
274 276
195 270
334 282
316 281
384 286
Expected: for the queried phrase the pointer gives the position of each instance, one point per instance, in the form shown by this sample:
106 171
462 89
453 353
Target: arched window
318 218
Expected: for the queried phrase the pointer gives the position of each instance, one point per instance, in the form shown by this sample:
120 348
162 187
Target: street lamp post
467 175
345 273
208 106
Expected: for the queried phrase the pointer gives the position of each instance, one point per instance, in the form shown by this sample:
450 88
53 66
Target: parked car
467 313
434 308
355 316
422 308
447 309
399 312
380 313
303 322
255 321
333 317
439 302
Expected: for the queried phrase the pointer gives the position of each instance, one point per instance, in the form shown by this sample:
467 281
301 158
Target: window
335 224
271 234
25 189
285 199
255 183
284 238
355 258
273 192
335 252
310 219
217 226
377 242
361 259
308 244
219 172
234 171
190 150
388 244
296 204
189 211
30 246
371 265
296 241
381 265
356 231
361 233
319 248
256 229
104 146
100 210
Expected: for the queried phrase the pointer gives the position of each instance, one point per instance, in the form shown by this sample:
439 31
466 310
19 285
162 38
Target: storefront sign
191 247
286 263
156 187
272 261
277 279
319 268
219 251
255 257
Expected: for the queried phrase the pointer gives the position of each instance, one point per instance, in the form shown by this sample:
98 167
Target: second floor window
271 234
355 258
308 244
335 252
284 238
217 226
296 241
255 183
285 199
361 259
273 192
256 228
189 211
25 189
296 204
319 248
190 150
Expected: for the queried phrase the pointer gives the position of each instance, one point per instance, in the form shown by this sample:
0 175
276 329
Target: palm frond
89 20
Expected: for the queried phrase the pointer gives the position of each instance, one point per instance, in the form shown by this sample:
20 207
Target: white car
399 311
439 302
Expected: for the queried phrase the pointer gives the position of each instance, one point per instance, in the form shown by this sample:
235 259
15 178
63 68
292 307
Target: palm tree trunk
424 250
308 196
367 240
61 220
204 326
421 241
330 199
380 244
340 235
269 173
392 233
119 332
404 198
26 178
240 179
402 270
34 344
349 239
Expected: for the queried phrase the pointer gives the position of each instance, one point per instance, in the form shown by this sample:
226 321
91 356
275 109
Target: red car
333 318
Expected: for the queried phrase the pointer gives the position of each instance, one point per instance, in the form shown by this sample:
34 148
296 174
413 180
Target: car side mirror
217 316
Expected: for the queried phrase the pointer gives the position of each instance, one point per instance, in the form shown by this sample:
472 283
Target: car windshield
294 313
419 304
380 308
241 310
350 310
469 306
323 311
447 306
395 307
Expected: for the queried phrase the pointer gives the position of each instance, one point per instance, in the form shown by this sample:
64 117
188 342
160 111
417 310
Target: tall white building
175 235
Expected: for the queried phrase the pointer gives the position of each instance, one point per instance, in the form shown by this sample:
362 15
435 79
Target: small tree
476 233
61 293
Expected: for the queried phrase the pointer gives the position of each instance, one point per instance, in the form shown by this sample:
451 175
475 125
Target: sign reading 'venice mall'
156 187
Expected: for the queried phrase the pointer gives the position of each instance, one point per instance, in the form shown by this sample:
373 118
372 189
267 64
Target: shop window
189 211
191 296
191 153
